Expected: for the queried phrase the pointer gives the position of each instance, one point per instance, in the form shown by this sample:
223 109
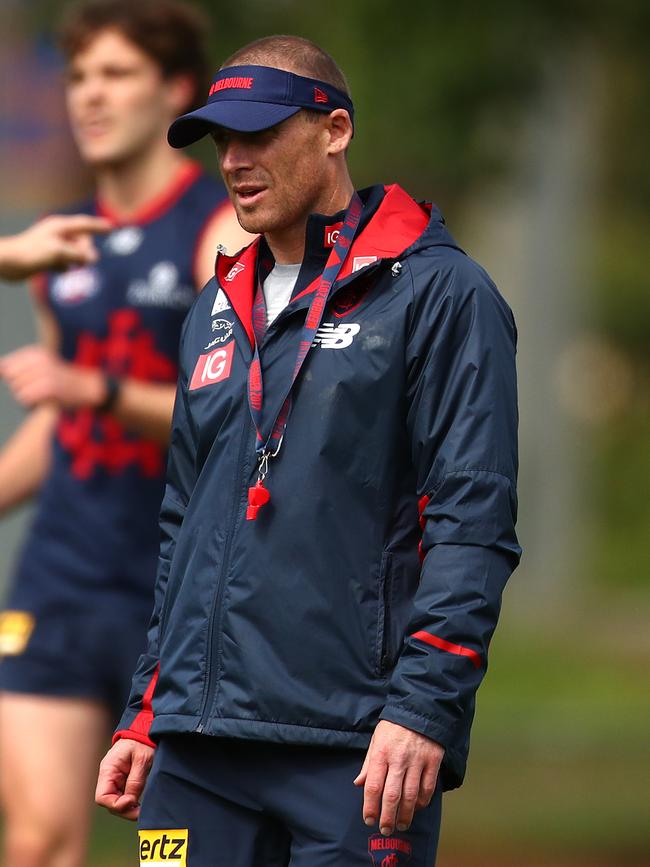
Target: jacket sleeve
138 716
462 425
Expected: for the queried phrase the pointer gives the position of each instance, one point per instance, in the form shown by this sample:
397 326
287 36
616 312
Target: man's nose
235 154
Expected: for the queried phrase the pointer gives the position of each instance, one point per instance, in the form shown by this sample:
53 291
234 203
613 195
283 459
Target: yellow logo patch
16 628
163 848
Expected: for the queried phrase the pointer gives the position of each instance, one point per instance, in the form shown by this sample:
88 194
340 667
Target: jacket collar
393 225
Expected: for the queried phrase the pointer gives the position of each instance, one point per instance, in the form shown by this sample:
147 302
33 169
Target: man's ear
180 93
340 130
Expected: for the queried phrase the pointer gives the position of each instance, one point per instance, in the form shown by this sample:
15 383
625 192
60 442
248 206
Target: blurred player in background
55 242
100 388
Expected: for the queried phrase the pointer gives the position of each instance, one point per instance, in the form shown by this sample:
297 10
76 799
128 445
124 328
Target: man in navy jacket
338 522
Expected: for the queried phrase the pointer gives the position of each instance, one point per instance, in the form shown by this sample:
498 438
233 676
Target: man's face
117 101
276 177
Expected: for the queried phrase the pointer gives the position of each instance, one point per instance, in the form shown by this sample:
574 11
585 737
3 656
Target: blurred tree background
527 122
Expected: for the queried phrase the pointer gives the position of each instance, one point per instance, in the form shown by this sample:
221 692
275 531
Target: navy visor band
253 98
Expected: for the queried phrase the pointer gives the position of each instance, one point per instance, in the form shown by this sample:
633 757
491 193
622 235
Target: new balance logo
330 336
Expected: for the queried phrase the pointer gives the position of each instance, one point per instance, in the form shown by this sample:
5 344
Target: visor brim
242 116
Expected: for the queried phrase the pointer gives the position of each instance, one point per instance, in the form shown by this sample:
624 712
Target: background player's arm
223 228
25 457
41 380
144 407
52 243
38 376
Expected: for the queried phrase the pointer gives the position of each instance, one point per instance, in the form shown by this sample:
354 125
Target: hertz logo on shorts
16 628
163 848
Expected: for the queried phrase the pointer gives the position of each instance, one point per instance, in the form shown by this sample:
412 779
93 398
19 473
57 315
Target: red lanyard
269 445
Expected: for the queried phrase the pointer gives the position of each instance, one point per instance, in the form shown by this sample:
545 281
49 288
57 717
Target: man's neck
288 247
128 187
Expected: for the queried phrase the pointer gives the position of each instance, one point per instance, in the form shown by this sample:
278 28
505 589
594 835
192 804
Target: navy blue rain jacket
369 586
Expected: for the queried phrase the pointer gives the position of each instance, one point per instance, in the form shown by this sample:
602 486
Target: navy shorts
57 650
213 802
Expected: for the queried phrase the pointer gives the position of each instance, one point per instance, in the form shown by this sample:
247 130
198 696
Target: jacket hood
398 227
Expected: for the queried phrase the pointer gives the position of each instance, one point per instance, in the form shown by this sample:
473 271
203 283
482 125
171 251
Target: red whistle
257 497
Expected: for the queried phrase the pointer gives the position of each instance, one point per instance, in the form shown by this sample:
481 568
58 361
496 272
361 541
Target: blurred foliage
439 87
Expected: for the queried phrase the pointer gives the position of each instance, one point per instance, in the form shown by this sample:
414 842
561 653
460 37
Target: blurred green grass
560 759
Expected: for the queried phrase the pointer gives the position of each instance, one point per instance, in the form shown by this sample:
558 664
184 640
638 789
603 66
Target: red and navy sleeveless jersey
96 522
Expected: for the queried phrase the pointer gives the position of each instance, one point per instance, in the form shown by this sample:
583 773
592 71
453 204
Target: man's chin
253 223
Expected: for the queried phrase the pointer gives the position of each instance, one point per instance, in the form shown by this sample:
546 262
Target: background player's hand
36 375
122 775
398 775
52 243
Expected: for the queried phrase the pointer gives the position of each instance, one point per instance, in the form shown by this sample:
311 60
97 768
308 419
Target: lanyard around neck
270 442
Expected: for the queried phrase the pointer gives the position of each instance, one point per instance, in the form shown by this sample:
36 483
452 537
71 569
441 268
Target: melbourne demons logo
212 367
389 851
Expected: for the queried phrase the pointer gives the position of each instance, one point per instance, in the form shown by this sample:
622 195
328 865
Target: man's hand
122 775
36 375
398 775
52 243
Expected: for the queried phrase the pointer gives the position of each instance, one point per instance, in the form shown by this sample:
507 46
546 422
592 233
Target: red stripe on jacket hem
441 644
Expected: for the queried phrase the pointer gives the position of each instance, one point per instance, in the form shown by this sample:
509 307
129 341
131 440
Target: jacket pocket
384 652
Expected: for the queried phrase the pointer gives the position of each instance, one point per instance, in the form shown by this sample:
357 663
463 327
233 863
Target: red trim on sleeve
185 176
139 728
126 734
441 644
423 502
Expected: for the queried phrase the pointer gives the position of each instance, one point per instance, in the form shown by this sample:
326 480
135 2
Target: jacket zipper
210 684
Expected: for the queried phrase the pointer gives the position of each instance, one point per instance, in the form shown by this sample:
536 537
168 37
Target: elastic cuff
409 719
126 734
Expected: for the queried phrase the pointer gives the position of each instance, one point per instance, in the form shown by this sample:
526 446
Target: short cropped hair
293 54
170 32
